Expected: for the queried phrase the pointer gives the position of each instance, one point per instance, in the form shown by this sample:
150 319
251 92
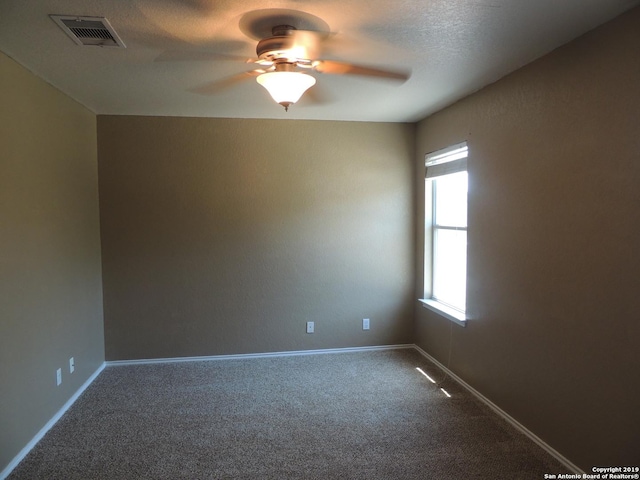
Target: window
446 232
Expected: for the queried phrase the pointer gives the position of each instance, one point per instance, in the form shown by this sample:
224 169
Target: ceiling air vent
93 31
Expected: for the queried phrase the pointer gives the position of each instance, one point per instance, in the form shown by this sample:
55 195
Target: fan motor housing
272 46
278 45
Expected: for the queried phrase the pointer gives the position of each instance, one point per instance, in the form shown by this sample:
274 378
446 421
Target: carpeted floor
365 415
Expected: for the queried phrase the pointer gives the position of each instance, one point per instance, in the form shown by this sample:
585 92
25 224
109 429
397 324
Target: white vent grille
91 31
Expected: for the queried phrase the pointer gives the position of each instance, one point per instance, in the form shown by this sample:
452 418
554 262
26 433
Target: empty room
311 240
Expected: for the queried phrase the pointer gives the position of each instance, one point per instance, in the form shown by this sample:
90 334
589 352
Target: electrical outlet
72 365
310 327
58 376
365 324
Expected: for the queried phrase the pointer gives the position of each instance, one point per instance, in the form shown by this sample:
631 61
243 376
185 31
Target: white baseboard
23 453
541 443
240 356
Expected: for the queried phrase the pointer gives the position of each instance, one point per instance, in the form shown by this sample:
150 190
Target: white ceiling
452 47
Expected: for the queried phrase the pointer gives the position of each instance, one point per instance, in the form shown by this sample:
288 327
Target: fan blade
217 86
340 68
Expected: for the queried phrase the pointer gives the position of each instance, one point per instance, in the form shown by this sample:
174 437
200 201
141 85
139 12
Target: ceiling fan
288 54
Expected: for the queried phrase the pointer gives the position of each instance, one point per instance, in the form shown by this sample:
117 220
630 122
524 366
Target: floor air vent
93 31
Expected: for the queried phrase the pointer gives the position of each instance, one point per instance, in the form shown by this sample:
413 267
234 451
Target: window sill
445 311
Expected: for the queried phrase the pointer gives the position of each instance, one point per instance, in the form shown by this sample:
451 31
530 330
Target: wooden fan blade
217 86
341 68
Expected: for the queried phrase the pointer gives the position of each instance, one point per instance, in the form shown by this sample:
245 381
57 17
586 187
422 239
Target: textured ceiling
179 50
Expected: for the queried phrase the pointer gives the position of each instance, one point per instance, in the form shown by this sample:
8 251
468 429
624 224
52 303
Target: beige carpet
365 415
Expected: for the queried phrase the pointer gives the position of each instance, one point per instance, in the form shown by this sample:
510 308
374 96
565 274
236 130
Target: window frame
442 162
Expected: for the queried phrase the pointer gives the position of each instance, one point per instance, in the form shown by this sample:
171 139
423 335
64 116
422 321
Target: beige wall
50 280
554 230
224 236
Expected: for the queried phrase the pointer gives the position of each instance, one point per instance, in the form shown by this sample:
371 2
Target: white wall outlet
72 365
311 327
365 324
58 376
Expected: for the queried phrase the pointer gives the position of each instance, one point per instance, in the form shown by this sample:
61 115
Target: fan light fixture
286 87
